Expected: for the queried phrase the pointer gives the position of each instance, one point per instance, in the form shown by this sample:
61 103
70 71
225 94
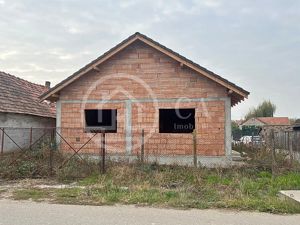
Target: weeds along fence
276 150
74 152
289 141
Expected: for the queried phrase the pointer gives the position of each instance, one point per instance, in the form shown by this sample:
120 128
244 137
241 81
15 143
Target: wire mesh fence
39 152
140 146
16 139
46 151
276 150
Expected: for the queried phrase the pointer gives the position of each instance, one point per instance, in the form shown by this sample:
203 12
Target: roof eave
137 36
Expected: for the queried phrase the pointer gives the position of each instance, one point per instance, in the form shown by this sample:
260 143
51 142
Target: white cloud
7 54
36 67
31 67
66 57
127 3
245 39
72 26
212 3
246 11
86 53
61 55
73 30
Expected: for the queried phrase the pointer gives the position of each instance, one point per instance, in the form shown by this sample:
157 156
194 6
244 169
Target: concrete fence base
187 160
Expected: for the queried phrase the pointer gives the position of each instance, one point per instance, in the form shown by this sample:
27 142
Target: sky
253 43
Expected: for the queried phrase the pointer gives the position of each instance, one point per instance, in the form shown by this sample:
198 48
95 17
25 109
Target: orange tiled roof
274 120
21 96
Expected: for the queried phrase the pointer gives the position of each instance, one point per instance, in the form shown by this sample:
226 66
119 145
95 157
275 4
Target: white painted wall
17 126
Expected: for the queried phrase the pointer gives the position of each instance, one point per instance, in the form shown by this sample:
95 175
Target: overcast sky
254 43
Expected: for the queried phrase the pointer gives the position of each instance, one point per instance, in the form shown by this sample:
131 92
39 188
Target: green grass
179 187
33 194
271 204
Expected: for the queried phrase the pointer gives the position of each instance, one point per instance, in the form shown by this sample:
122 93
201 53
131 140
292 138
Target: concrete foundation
291 195
185 160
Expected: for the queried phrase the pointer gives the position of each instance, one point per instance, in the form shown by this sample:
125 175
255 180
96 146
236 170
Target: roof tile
21 96
275 120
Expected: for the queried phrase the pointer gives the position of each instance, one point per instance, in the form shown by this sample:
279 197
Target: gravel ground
7 187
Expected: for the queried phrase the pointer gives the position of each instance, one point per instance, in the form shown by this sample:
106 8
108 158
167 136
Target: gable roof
21 96
270 121
274 121
237 93
238 122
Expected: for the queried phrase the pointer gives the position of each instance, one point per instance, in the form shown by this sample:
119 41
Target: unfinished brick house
142 85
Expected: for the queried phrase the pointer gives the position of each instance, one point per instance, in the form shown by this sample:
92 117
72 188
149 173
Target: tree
264 109
294 120
236 131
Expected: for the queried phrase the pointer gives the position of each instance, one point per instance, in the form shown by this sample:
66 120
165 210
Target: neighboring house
238 122
20 110
268 124
266 121
141 84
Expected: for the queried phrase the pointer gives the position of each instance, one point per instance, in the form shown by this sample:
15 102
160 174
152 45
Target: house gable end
237 93
143 72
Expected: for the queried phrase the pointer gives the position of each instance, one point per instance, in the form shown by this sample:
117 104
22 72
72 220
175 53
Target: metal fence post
102 153
142 146
290 147
195 148
252 140
273 149
50 160
2 141
30 138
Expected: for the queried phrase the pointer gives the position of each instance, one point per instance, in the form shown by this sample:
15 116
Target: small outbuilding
21 110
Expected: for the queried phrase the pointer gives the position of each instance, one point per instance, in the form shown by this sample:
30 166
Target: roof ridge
189 60
21 96
259 118
272 117
22 79
241 93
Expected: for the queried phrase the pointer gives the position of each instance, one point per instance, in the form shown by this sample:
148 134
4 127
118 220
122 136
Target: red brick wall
209 128
167 80
72 123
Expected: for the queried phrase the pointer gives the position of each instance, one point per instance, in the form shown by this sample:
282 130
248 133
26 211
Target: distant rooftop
274 120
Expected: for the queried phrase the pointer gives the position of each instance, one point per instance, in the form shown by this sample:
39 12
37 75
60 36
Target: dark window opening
99 120
176 120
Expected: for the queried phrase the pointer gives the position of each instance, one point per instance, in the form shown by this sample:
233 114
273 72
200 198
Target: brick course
167 80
